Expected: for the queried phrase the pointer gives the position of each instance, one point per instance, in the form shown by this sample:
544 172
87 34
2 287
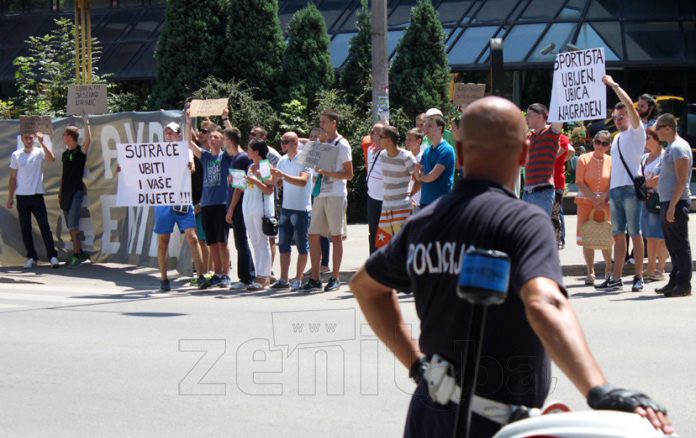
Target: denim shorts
72 216
651 224
625 211
293 222
165 218
542 199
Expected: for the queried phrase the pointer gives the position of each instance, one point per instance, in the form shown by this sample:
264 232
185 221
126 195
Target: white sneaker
31 263
295 285
54 263
239 286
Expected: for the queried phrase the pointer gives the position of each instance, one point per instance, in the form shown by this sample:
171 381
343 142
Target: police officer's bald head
493 139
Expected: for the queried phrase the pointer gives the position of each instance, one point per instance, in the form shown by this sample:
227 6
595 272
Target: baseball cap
174 127
433 112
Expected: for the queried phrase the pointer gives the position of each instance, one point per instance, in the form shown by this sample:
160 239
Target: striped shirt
543 148
397 172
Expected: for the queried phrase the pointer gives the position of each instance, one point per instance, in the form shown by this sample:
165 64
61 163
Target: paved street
97 352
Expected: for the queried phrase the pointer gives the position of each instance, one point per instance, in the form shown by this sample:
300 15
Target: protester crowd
636 180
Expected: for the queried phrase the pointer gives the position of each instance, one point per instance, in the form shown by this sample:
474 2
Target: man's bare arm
382 311
346 174
434 174
12 187
631 110
88 134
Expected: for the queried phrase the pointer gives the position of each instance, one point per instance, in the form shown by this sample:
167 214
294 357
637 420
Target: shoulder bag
372 167
269 225
638 181
652 202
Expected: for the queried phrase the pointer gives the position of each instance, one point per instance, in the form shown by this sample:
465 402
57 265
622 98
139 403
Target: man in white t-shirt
626 151
295 180
375 184
330 205
26 182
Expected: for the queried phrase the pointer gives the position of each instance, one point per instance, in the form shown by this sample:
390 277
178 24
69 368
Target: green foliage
246 111
125 102
254 44
188 49
5 109
356 74
43 77
293 117
419 76
307 68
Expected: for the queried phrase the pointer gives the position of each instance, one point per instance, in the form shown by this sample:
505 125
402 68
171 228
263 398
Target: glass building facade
652 44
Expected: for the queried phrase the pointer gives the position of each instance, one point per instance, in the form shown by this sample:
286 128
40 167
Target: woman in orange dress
592 176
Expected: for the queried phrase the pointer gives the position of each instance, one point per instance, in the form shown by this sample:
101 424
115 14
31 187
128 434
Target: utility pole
380 72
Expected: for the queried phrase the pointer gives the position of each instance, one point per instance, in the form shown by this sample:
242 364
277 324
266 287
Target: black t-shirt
197 181
424 257
241 161
73 170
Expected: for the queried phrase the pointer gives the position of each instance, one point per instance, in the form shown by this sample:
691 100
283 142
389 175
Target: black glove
418 369
609 397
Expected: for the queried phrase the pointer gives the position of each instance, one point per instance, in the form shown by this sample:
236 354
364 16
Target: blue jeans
293 223
542 199
72 216
625 209
325 250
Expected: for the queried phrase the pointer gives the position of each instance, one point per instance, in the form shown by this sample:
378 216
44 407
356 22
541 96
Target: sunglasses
602 143
285 141
252 134
619 118
203 131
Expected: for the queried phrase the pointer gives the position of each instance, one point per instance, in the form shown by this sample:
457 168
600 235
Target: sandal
589 280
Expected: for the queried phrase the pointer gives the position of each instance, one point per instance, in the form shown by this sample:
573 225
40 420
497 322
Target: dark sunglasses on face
602 143
285 141
619 118
252 134
203 131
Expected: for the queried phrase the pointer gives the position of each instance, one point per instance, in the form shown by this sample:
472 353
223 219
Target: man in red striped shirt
543 150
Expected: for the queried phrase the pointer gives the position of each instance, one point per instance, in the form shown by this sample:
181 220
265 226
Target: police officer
535 320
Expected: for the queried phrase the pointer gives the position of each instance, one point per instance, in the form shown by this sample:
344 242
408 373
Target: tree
307 68
188 49
420 74
254 44
356 73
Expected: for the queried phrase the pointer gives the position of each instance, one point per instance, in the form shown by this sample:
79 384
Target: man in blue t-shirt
216 164
436 169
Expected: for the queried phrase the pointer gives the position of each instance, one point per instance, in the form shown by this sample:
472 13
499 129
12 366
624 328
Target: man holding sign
26 181
330 205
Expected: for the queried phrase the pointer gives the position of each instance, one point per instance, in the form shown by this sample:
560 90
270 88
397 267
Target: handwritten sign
264 170
321 155
34 124
238 178
210 107
464 94
87 99
578 92
153 174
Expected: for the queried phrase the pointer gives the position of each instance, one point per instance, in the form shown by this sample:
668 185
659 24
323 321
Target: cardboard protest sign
238 178
153 174
264 170
87 99
34 124
210 107
321 155
464 94
578 92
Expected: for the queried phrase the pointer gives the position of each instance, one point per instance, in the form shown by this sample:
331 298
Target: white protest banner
34 124
464 94
321 155
210 107
238 178
264 170
153 174
87 99
578 92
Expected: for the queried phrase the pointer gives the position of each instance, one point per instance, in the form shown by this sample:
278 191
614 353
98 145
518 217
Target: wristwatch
615 86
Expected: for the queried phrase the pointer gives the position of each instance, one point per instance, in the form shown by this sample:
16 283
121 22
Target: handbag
597 235
652 201
269 225
639 181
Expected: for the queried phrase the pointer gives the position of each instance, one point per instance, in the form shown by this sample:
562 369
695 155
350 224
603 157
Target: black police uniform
424 257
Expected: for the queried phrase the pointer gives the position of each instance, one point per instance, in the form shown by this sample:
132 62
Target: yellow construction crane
83 42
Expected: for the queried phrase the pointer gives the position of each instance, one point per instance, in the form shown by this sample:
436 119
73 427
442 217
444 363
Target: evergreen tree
307 68
254 44
356 74
420 74
189 49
